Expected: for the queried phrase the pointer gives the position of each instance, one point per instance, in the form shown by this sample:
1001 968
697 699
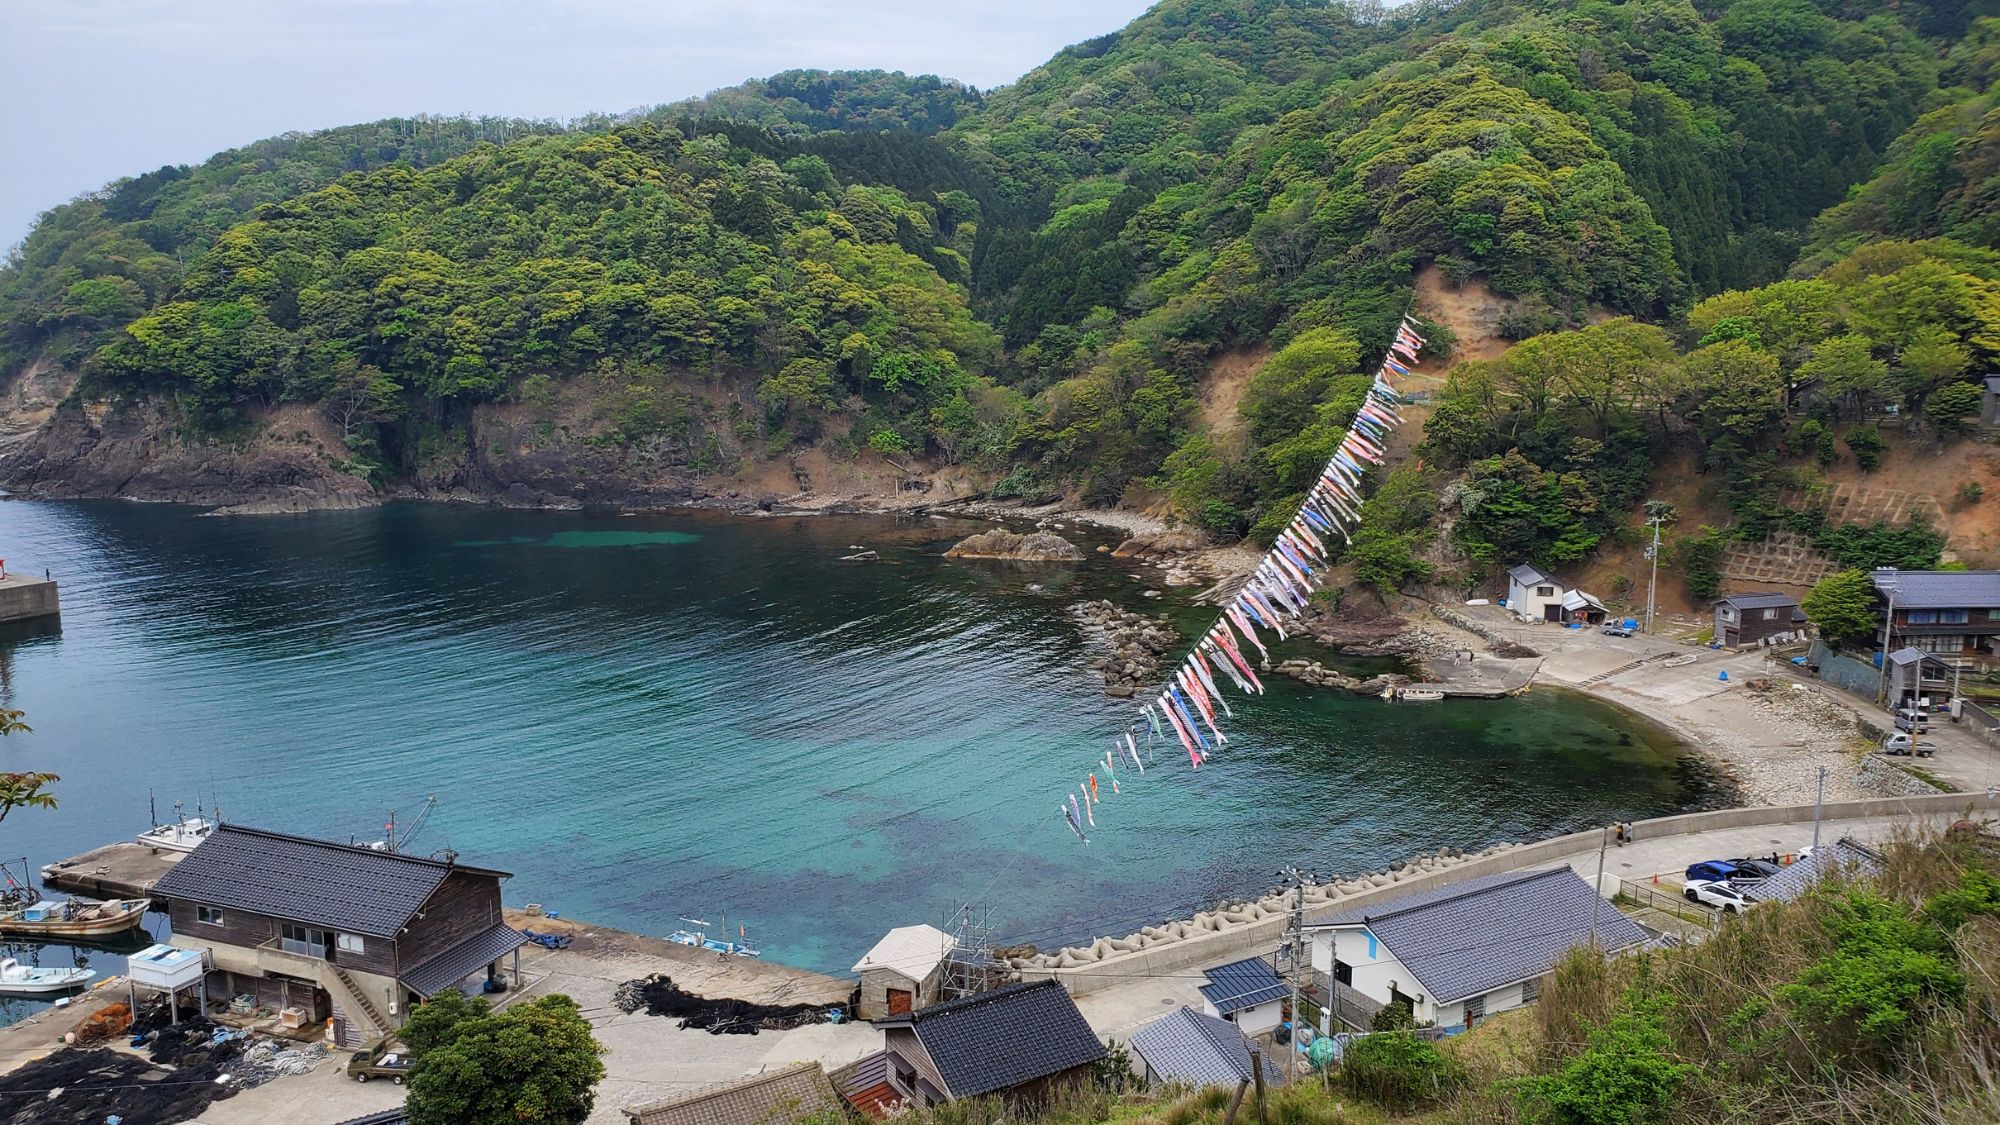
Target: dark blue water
651 716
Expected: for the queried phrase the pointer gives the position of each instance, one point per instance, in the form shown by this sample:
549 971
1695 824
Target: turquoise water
650 716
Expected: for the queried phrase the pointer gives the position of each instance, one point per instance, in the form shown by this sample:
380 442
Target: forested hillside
1684 208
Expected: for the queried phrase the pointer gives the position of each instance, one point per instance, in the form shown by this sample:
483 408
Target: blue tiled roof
1941 589
1242 984
1473 937
1791 882
1200 1050
1000 1039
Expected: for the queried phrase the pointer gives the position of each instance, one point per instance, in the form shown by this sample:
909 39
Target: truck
1903 744
381 1058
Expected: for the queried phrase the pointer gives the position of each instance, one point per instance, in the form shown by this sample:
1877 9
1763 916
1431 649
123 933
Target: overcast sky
98 89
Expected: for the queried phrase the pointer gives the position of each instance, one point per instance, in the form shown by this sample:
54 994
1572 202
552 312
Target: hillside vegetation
1694 213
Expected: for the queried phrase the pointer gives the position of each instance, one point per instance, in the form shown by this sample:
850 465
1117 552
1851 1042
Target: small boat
182 834
63 918
17 979
1419 693
699 939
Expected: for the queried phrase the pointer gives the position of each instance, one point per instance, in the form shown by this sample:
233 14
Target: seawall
23 598
1223 935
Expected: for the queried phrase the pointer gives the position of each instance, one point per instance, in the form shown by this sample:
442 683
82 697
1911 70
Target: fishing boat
67 918
1415 693
699 939
17 979
182 834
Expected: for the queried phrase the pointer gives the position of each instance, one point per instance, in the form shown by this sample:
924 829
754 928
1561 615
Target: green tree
26 791
1842 607
1952 407
534 1062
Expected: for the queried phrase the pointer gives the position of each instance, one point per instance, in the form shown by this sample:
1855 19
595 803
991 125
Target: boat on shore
1414 693
181 834
699 939
17 979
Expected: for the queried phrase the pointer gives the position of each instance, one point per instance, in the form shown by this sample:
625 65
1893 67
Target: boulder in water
1039 546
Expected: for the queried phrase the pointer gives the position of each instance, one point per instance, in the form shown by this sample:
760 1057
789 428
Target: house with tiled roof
1846 855
1246 993
324 931
1194 1049
786 1096
1017 1041
903 971
1456 954
1759 619
1534 594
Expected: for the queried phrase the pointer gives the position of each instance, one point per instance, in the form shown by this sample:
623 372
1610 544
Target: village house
1535 595
1197 1050
1013 1042
903 971
1455 955
1759 619
786 1096
1247 993
1948 613
327 931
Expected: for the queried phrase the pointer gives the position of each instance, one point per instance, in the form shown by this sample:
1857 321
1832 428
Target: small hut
903 971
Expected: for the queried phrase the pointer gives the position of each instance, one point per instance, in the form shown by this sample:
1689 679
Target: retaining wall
1846 673
1244 939
24 599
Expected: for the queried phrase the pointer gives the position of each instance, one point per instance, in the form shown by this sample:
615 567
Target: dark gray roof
1242 984
1941 589
1527 574
1000 1039
796 1093
382 1117
1469 939
464 959
1761 601
1791 882
1993 383
1200 1050
345 887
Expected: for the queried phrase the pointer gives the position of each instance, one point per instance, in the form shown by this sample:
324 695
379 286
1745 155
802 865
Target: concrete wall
1233 942
1846 673
23 599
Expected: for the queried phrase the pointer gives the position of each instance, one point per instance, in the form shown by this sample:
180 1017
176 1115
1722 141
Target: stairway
1618 671
359 999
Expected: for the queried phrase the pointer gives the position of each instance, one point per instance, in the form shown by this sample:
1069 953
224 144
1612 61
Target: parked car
381 1058
1750 872
1913 720
1903 744
1722 896
1710 871
1616 629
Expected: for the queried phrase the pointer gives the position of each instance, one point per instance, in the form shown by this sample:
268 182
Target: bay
667 714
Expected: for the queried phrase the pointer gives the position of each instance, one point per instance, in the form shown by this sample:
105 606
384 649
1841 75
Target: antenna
970 967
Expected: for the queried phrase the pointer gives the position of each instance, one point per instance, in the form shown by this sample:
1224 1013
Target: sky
99 89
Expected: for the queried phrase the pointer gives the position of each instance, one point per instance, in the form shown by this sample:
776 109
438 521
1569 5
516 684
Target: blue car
1714 870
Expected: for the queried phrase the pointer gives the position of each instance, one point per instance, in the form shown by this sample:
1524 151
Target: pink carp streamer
1277 591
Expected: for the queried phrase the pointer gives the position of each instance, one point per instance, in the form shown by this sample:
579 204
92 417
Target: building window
1993 615
1921 617
1953 616
350 943
1531 990
1475 1008
304 940
211 915
1770 615
1545 591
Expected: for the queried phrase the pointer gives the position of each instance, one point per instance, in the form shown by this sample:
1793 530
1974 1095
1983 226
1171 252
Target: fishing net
115 1019
75 1086
658 995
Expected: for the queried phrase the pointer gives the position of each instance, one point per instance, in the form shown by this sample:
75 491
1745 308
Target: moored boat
699 939
63 918
17 979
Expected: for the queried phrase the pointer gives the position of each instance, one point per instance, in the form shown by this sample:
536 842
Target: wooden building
903 971
334 932
1759 619
1014 1042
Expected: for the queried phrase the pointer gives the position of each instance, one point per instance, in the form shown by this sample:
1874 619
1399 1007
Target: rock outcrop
1011 546
1135 645
1159 544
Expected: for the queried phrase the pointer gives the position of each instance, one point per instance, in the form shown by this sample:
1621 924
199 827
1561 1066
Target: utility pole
1887 583
1597 890
1653 583
1819 799
1298 880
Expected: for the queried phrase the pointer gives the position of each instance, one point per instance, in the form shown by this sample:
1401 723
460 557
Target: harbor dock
23 598
122 870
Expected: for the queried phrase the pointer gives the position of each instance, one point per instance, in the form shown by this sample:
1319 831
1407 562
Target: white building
1534 595
1456 954
1247 993
902 973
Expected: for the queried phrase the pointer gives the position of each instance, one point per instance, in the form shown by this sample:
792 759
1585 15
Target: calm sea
659 715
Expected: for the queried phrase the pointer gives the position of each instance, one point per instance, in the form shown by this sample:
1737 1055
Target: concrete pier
23 598
125 870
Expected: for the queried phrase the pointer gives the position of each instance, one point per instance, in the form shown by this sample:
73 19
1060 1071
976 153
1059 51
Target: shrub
1397 1070
1866 443
1623 1077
